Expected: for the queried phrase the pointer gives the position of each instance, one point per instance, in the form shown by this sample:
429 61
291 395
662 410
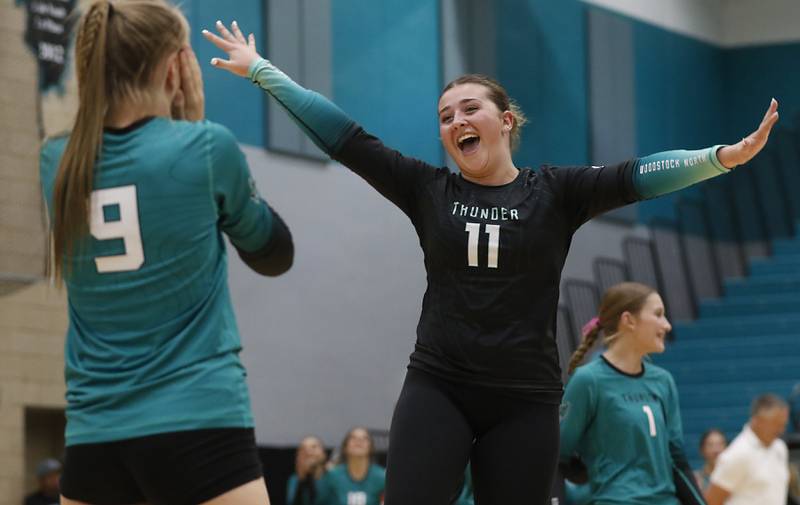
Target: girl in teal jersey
357 480
140 193
309 467
620 416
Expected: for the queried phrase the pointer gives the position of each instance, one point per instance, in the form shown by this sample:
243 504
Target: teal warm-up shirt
337 487
625 429
152 344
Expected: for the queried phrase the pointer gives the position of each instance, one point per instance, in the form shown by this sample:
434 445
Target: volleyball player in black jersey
484 381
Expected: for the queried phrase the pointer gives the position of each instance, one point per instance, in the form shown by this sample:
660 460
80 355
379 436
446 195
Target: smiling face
474 131
648 328
310 456
357 444
311 449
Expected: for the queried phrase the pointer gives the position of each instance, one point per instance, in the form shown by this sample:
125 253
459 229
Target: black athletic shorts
178 468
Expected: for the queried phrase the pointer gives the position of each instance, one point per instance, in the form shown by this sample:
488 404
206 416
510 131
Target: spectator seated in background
754 469
357 480
712 443
48 471
309 466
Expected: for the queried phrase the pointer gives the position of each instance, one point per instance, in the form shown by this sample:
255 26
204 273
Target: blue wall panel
386 71
541 61
680 100
752 76
230 100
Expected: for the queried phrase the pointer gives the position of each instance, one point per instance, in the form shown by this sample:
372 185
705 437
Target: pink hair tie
592 325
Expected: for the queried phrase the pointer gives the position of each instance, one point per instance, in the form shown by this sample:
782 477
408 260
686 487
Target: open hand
744 150
241 53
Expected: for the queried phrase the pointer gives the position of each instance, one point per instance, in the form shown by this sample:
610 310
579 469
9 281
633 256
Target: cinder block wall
33 315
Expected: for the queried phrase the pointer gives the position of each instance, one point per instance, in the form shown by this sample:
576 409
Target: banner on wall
47 33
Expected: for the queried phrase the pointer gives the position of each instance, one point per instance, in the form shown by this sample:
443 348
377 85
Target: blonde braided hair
117 49
92 29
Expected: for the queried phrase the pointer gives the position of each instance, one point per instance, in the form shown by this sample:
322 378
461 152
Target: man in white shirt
754 469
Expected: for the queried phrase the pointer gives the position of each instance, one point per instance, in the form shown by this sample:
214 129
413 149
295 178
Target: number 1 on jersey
650 419
474 230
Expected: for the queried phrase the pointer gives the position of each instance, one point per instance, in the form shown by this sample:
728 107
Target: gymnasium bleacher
729 271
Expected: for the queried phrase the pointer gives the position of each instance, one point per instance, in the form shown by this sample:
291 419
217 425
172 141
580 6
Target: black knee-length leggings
438 426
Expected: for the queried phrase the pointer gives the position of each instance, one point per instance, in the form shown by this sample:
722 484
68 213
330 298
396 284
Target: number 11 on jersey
474 230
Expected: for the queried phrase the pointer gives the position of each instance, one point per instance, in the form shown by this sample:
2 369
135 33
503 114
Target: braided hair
118 48
618 299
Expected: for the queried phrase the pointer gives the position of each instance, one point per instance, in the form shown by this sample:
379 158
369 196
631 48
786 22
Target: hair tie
592 325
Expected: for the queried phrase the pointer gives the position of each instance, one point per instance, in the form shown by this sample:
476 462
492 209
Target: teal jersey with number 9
625 429
152 344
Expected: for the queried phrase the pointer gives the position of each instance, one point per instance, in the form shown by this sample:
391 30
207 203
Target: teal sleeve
577 494
243 215
674 424
291 489
577 411
466 497
668 171
685 484
325 491
324 123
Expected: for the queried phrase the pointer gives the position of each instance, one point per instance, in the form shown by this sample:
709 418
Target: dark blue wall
386 60
680 100
230 100
541 61
752 76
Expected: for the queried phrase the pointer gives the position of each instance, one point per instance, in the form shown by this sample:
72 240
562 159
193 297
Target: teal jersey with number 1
624 428
152 344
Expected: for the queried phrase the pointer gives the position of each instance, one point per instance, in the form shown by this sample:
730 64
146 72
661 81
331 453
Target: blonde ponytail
118 48
75 177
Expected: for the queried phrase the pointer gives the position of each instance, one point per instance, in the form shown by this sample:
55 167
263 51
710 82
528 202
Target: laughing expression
474 132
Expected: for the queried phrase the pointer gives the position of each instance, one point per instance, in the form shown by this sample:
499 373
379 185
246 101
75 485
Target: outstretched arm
324 123
395 176
662 173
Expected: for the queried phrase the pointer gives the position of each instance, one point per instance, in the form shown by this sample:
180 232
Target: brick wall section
32 325
21 215
33 316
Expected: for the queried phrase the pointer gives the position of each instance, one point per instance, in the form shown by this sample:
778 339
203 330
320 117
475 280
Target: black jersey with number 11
493 256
